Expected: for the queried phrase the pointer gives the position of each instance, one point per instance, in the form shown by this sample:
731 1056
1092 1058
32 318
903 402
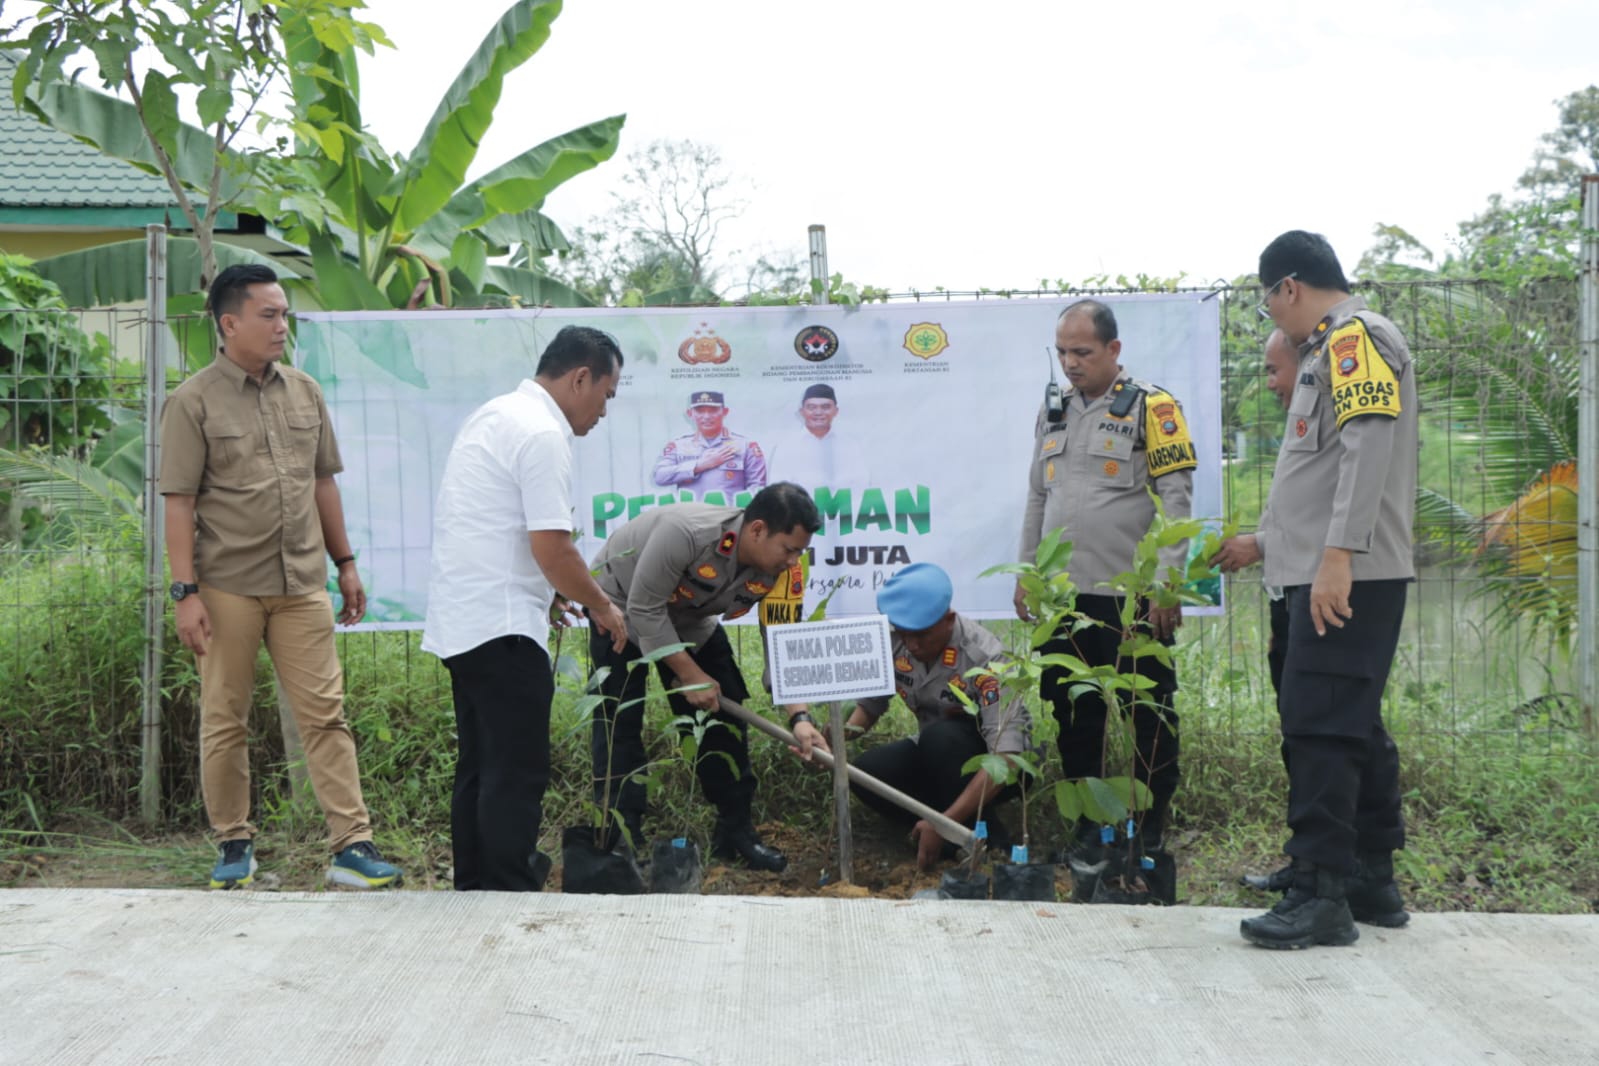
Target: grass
1502 797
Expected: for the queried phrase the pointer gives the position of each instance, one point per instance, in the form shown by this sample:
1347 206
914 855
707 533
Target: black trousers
618 733
926 767
1343 767
1082 720
1276 654
502 690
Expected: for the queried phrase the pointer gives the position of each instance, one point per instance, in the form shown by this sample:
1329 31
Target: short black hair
580 346
231 287
1307 256
1103 318
782 505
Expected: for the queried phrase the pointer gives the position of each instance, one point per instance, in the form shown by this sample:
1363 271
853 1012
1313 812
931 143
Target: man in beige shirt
247 464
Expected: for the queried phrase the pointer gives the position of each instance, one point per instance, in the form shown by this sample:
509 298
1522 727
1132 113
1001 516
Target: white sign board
843 659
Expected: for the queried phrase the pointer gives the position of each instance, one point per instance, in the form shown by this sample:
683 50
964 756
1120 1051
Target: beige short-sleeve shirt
250 454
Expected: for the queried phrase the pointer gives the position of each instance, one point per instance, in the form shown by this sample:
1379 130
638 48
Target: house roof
48 178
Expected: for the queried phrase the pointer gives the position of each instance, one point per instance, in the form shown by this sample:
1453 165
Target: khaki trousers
299 636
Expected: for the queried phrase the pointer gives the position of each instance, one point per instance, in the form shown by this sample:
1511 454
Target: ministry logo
816 343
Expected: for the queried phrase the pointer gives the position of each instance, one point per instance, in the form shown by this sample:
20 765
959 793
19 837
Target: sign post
845 659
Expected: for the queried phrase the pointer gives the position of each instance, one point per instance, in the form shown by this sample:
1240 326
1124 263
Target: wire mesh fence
1483 669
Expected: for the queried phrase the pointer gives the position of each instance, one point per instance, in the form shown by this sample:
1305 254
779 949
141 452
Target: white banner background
943 441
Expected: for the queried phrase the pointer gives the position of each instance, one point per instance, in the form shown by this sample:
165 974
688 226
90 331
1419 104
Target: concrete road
108 976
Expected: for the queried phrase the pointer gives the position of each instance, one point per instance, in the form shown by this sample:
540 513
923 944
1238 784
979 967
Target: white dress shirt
509 473
832 461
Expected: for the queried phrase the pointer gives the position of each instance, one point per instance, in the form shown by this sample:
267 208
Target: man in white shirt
502 550
817 456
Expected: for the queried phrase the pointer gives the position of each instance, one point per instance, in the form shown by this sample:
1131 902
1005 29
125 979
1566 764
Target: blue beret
916 597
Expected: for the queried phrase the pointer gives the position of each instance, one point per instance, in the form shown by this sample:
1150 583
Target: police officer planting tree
675 572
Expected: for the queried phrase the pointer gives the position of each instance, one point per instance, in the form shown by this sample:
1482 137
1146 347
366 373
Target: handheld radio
1054 399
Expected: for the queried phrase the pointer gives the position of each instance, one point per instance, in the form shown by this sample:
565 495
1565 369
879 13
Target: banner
920 455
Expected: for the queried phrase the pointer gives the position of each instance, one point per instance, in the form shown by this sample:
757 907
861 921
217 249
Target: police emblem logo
731 475
754 450
725 547
743 609
756 588
704 346
706 571
796 580
949 657
1348 365
1109 445
902 664
1166 415
1301 428
816 343
926 339
988 690
1112 468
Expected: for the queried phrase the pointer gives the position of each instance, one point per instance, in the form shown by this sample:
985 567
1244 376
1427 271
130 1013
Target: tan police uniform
1089 476
1345 478
674 572
1089 472
931 766
1006 726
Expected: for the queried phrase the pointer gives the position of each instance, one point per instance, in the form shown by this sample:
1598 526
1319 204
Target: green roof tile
43 168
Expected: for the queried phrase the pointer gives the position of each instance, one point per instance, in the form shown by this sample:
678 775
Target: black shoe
1373 897
540 865
739 840
1313 912
1279 880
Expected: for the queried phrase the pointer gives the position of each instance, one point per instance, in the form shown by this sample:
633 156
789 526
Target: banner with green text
911 423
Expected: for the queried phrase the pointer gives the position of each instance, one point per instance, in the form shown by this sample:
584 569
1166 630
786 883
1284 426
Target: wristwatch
179 590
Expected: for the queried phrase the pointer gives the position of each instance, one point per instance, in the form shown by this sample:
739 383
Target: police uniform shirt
1088 474
674 571
746 470
1005 724
1346 474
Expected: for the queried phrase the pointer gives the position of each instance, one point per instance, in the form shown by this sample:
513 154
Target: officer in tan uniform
712 459
675 571
1342 503
1089 476
933 649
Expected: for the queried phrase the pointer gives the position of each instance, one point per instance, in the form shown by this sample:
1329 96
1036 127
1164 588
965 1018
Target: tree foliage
227 53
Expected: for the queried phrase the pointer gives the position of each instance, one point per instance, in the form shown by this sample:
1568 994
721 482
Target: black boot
1279 880
735 838
1313 912
1373 896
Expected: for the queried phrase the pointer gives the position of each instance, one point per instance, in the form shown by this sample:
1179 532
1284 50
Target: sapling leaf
1133 793
1069 802
649 658
1104 804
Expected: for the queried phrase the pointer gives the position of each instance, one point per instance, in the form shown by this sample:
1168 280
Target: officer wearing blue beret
712 459
933 649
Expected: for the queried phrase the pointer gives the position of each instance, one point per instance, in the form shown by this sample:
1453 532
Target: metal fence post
818 236
155 606
1588 464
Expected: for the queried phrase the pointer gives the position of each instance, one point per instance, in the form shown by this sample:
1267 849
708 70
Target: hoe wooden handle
947 827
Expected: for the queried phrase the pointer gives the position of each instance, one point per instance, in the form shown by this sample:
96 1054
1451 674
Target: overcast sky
993 144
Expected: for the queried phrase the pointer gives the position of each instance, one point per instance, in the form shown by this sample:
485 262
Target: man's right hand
194 624
1237 552
610 621
704 699
1020 600
715 458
